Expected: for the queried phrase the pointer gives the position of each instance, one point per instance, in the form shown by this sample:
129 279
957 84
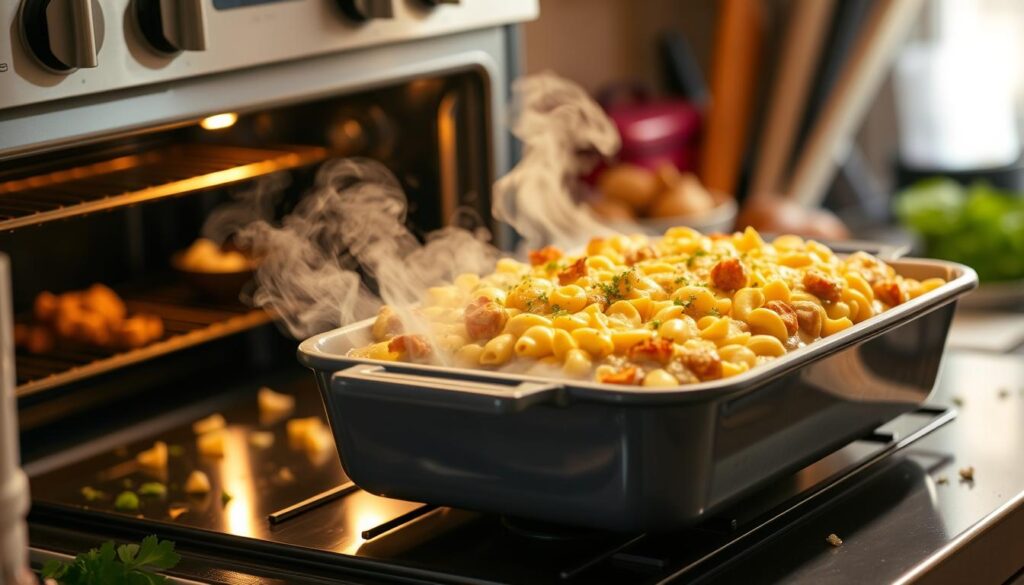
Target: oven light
219 121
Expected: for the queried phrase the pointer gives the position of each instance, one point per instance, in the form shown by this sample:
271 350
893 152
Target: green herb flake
92 494
175 450
153 488
127 502
715 312
552 266
685 304
128 564
655 325
225 498
127 483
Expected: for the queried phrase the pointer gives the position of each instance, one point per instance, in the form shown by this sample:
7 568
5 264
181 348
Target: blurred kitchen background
892 121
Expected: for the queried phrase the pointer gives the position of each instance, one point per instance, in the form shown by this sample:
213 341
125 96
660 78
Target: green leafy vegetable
979 225
128 564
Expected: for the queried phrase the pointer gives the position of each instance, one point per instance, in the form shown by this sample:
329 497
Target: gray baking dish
625 458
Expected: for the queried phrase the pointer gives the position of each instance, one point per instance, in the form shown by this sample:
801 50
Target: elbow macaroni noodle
651 312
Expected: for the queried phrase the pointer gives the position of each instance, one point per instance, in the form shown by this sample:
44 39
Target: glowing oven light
219 121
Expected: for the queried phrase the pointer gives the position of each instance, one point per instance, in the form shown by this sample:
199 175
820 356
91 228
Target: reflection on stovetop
777 533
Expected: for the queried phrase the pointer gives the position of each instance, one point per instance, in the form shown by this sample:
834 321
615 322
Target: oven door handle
378 383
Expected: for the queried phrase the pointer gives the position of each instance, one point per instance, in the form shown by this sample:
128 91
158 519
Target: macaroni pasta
652 312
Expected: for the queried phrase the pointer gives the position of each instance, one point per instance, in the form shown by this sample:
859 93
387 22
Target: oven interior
115 211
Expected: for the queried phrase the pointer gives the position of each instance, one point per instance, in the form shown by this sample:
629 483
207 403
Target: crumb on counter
1004 393
958 401
834 540
942 480
967 473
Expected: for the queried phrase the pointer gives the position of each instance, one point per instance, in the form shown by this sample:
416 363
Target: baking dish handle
373 381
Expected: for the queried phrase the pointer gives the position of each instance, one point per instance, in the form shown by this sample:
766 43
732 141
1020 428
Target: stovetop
896 500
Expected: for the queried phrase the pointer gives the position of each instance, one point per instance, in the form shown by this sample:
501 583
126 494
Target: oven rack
188 321
165 171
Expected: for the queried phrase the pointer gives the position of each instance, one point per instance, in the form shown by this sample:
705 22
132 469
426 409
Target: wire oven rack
153 174
188 321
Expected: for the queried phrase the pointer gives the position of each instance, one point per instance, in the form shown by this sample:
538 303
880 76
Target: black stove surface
904 510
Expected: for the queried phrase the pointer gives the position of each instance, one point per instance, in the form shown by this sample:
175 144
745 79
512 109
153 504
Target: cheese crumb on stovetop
209 424
834 540
197 483
967 473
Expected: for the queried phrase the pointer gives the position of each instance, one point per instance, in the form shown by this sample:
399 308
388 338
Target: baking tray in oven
625 458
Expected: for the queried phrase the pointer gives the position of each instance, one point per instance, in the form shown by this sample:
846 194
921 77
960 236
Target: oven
125 123
123 127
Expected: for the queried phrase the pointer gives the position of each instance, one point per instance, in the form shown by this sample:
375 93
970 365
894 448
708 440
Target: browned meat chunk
641 254
576 271
544 255
484 318
654 350
704 362
729 275
787 313
627 375
890 292
823 287
415 346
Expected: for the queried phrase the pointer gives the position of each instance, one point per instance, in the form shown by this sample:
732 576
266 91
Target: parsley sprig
128 564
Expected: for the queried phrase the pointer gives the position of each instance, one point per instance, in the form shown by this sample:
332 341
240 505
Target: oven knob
172 26
363 10
63 35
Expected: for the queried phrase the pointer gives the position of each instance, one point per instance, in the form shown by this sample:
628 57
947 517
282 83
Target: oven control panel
64 48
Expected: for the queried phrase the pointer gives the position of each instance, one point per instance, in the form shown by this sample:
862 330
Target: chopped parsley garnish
123 565
715 312
693 258
685 304
553 266
557 311
655 324
618 288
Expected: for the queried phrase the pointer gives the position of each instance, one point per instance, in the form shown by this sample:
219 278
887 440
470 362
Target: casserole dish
618 457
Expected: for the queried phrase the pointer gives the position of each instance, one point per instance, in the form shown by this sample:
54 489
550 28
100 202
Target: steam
559 125
352 224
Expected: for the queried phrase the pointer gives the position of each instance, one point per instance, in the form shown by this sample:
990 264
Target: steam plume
352 223
558 125
353 220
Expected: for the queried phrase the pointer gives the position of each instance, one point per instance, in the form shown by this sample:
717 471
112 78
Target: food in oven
678 309
95 316
207 256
